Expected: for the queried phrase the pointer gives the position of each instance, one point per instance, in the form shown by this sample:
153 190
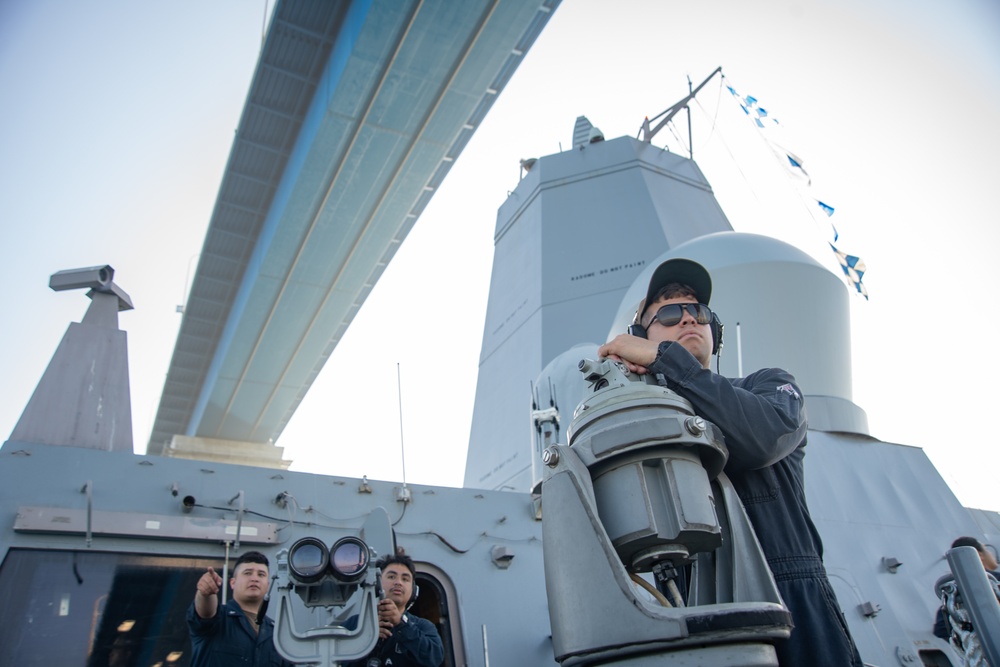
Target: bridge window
86 608
128 610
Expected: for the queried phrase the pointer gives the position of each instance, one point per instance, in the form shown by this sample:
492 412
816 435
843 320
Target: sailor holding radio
405 640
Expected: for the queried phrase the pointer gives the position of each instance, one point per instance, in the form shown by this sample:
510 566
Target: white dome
780 307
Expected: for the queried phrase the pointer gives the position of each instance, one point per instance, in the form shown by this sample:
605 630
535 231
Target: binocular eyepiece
327 598
309 560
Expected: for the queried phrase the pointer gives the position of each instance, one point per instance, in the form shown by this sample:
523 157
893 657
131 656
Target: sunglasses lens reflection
673 313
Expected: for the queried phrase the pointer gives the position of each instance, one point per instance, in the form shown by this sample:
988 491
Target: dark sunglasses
673 313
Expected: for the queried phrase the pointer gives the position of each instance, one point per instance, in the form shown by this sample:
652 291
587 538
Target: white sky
117 118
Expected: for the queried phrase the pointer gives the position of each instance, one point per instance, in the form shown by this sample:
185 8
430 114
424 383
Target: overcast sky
118 117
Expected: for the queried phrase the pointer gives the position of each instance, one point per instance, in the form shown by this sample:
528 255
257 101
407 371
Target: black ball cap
677 270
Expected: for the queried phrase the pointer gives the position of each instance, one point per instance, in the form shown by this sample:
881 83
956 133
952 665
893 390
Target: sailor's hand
388 614
636 353
210 583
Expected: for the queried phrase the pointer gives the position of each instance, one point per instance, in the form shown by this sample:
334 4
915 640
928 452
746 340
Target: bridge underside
355 114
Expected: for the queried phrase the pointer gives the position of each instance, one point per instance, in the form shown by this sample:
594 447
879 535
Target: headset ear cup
413 596
717 330
636 330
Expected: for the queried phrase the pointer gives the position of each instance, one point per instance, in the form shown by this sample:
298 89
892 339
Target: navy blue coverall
227 640
763 419
415 642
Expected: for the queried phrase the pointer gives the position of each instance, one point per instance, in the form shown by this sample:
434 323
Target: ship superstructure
102 547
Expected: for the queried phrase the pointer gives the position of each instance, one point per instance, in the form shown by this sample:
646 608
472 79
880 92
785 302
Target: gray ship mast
86 382
647 134
558 277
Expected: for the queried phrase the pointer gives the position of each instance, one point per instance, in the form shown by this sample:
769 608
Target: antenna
225 574
688 108
647 134
404 494
182 306
739 352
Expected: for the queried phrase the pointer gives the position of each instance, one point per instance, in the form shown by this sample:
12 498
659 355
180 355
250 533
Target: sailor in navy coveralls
405 640
763 419
230 635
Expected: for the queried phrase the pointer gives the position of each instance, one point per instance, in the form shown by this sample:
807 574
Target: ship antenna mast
688 108
647 134
402 450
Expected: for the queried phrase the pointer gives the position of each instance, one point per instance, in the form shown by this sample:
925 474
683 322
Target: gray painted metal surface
354 117
555 285
450 533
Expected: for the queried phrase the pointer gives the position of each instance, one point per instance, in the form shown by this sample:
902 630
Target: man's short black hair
252 557
968 542
398 558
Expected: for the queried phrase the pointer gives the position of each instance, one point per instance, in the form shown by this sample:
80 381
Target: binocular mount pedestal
640 490
324 619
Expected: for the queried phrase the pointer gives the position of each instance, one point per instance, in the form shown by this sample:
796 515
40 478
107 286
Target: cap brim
678 270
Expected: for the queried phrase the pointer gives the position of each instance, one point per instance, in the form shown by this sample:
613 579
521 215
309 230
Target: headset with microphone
413 597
